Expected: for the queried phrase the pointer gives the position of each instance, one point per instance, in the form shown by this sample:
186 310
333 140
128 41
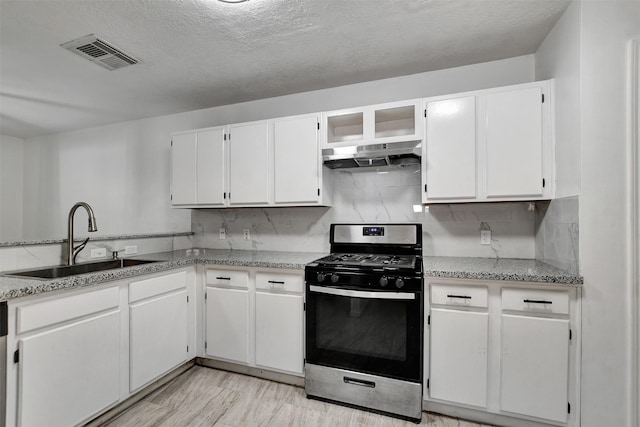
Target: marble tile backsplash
372 195
557 233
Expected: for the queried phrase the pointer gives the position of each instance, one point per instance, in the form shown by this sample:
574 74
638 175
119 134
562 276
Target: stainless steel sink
71 270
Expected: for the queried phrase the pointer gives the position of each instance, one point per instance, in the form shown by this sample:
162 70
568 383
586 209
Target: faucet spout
72 251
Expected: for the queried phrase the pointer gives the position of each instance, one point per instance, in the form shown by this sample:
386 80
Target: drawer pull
276 282
223 278
361 383
537 301
459 296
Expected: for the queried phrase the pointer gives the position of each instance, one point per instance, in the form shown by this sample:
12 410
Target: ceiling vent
100 52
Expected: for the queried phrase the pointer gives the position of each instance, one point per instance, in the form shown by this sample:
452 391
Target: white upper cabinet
249 165
198 168
183 171
451 140
490 145
297 165
372 124
267 163
514 143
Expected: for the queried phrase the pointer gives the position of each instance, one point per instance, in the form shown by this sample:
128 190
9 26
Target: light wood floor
209 397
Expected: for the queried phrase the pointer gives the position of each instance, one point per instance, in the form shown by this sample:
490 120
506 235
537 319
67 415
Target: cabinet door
296 167
450 159
279 332
458 356
211 167
227 324
70 373
157 337
535 357
514 143
249 164
183 169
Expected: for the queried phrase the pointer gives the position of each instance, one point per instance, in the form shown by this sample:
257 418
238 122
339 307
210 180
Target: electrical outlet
128 250
222 234
98 253
247 234
485 237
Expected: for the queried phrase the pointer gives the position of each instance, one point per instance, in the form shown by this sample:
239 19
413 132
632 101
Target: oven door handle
361 294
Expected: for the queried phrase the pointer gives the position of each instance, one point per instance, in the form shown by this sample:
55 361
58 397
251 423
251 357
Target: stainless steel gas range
364 319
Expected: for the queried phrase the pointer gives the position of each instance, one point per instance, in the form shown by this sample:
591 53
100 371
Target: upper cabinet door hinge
16 356
224 136
187 298
172 142
318 191
543 182
205 296
318 123
543 98
425 112
4 319
570 335
428 319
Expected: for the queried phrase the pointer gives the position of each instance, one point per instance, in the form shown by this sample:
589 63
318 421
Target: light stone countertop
500 269
524 270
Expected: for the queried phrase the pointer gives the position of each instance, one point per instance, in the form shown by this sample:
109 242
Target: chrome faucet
71 251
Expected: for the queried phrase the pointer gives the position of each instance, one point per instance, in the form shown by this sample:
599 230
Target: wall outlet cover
485 237
133 249
98 253
222 234
247 234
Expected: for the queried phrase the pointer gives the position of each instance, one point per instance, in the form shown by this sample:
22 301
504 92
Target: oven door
378 333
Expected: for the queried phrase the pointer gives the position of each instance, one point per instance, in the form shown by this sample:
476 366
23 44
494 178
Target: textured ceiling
205 53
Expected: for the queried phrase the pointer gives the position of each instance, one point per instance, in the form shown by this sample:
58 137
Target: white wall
121 170
605 28
11 188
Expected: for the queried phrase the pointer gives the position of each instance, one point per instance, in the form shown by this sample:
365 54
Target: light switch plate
485 237
247 234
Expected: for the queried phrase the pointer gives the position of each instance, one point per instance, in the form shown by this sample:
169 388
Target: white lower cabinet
507 349
255 317
68 358
459 356
78 353
158 327
279 326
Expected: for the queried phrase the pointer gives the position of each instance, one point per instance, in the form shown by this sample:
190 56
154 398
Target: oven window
366 327
370 335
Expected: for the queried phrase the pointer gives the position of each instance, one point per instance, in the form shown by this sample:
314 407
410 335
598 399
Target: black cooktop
368 261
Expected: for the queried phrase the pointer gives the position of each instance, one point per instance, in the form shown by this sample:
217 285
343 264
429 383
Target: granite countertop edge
12 287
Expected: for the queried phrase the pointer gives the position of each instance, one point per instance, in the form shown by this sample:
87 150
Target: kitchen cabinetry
158 339
249 165
491 145
535 353
279 319
227 315
77 353
254 317
501 352
198 168
266 163
372 124
459 326
68 358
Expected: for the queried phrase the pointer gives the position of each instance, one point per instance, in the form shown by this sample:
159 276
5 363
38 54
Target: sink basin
71 270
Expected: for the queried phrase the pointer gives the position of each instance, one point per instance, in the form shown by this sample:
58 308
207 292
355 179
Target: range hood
397 153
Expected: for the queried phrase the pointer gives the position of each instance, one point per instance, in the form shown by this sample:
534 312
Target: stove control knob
399 282
334 278
321 277
383 281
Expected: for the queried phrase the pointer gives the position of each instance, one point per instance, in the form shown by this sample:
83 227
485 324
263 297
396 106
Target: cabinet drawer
38 315
280 282
232 278
536 300
156 286
466 296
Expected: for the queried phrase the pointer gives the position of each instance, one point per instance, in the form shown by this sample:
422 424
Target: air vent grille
100 52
